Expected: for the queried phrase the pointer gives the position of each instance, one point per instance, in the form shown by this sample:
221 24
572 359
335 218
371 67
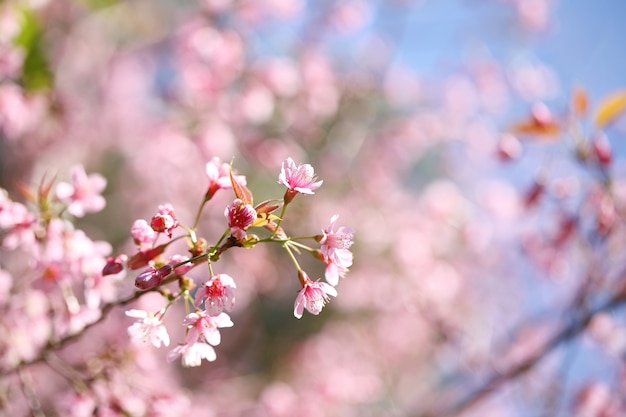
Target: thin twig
566 333
58 344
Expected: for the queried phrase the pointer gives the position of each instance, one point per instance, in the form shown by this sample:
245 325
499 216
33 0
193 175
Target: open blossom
219 176
202 335
192 354
219 294
313 296
240 216
297 179
165 220
334 242
83 194
334 271
147 328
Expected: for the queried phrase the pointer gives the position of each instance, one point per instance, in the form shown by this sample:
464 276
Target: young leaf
241 191
610 108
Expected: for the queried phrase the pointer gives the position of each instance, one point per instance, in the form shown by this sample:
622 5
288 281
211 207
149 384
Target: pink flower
202 335
219 294
147 328
203 327
142 233
183 269
313 296
83 195
240 216
219 177
297 179
334 271
165 220
192 354
334 242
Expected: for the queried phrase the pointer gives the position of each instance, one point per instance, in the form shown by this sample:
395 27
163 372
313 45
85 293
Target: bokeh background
410 113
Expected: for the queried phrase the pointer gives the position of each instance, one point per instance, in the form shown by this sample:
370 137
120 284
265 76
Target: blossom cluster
210 301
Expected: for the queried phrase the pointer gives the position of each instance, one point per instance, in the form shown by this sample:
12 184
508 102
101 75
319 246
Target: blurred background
473 231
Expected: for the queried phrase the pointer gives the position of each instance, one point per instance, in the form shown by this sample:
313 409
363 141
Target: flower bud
114 265
151 278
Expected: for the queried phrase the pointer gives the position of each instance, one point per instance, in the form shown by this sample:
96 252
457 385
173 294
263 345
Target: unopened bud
151 278
114 265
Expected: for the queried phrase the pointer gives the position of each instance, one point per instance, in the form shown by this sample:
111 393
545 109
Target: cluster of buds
211 300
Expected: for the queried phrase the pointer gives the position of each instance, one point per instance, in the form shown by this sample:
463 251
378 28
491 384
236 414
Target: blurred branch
578 324
58 344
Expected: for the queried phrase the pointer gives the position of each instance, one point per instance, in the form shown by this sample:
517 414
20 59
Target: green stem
199 213
280 220
292 256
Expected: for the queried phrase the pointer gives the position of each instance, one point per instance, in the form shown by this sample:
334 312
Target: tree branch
566 333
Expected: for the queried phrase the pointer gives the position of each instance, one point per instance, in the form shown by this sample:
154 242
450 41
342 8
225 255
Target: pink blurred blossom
147 328
142 233
83 194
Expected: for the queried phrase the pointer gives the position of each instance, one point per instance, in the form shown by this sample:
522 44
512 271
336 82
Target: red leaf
241 192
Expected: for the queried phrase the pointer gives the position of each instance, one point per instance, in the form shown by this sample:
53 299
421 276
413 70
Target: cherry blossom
313 296
219 294
202 335
83 194
297 179
165 220
148 328
218 173
335 242
240 216
142 233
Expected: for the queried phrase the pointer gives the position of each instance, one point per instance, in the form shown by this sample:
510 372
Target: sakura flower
202 335
142 233
219 177
219 294
147 328
313 296
165 220
83 194
333 243
334 271
204 327
184 268
240 216
192 354
297 179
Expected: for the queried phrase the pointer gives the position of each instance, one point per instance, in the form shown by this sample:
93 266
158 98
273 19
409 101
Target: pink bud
151 278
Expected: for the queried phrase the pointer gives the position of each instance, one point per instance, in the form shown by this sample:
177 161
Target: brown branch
566 333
